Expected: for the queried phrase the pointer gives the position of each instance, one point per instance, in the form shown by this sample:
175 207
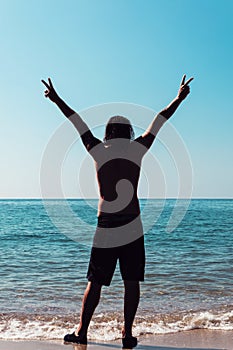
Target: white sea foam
108 326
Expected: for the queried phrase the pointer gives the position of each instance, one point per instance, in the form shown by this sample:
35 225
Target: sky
125 56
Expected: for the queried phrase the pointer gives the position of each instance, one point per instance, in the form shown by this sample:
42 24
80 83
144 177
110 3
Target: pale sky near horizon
102 52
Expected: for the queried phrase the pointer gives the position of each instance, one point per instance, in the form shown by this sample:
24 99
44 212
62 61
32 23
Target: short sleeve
145 141
89 140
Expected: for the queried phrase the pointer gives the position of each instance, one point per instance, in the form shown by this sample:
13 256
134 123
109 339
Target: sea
44 258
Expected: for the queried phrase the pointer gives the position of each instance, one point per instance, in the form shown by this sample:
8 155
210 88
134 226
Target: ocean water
44 258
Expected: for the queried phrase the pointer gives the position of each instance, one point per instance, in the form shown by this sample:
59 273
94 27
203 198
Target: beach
195 339
116 134
186 298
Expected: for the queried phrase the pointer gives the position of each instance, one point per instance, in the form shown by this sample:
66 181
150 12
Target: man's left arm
88 139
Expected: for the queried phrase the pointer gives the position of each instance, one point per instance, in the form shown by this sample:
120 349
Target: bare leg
90 301
131 301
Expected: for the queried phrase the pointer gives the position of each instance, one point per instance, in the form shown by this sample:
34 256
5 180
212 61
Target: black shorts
131 256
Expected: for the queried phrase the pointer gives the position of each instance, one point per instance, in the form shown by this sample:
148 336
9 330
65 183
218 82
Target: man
119 233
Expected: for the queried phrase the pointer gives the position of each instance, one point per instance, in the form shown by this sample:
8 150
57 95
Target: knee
94 286
131 284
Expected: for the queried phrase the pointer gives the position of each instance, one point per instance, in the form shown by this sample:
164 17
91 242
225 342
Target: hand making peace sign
50 92
184 88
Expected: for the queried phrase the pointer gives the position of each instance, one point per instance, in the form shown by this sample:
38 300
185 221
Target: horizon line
96 198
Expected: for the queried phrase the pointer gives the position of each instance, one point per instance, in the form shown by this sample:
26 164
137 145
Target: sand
189 340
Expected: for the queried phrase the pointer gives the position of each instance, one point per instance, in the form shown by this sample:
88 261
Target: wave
107 326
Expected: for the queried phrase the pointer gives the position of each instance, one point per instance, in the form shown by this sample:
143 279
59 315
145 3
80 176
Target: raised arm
183 92
87 137
149 135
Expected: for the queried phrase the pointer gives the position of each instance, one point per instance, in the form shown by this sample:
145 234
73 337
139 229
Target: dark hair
118 127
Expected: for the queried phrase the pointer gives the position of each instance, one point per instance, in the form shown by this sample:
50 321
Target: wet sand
189 340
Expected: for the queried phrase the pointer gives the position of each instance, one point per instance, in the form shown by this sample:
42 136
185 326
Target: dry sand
189 340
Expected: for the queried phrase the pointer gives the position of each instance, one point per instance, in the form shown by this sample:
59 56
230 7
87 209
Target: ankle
80 334
127 333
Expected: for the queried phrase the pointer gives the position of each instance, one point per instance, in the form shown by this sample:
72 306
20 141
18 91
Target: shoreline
186 340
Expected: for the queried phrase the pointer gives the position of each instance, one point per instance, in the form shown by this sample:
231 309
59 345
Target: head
118 127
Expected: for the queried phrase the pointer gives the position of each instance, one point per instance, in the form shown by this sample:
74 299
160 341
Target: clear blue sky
116 51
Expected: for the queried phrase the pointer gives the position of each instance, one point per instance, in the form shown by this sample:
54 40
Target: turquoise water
188 282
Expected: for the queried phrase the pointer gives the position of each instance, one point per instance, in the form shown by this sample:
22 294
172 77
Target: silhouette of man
119 232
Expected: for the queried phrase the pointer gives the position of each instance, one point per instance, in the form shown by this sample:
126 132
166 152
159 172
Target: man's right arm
149 135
